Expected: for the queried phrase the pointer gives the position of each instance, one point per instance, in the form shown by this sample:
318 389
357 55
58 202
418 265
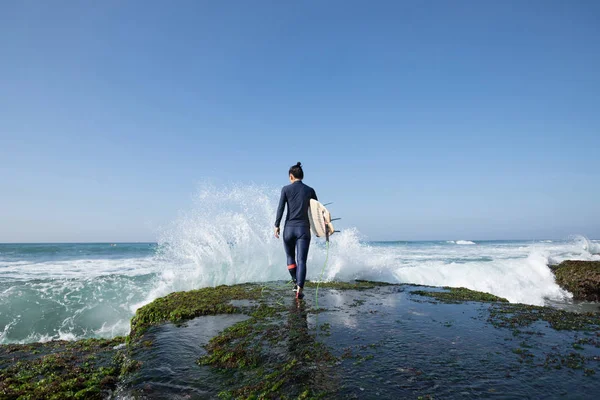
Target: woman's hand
277 233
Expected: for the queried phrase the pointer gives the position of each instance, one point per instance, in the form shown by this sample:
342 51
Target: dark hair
296 170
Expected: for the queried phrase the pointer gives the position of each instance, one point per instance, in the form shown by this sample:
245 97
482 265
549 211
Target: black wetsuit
296 235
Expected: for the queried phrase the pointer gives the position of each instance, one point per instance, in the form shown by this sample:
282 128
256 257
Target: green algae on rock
181 306
271 351
582 278
260 350
86 369
460 294
516 316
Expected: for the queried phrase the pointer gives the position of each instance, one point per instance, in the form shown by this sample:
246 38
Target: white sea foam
462 242
4 332
76 268
590 246
524 280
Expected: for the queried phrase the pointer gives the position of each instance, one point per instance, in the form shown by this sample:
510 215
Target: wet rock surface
581 278
355 340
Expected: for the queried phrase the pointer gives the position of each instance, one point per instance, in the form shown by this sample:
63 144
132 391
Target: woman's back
297 195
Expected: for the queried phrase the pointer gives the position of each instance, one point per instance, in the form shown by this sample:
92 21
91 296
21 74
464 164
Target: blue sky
420 119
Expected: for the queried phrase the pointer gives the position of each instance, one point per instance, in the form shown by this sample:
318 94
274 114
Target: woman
296 235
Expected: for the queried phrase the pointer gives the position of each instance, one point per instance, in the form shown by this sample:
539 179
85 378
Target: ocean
73 291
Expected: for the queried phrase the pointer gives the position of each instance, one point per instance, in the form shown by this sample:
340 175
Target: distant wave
461 242
591 246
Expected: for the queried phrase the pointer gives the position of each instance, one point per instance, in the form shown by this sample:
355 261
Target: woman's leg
289 243
302 244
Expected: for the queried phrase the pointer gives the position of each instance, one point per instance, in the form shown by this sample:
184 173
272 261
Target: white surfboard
320 219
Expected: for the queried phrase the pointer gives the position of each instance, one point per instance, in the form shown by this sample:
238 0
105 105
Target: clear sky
420 119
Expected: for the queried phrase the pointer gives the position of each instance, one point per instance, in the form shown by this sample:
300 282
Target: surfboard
320 219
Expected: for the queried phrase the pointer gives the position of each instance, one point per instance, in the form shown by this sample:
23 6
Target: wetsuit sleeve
314 195
282 200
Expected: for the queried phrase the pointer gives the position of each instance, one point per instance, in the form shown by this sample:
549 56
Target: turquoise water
67 251
70 291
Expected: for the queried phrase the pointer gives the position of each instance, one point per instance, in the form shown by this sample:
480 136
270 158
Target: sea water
73 291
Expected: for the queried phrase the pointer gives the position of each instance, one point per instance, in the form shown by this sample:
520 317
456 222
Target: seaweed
581 278
180 306
86 369
455 295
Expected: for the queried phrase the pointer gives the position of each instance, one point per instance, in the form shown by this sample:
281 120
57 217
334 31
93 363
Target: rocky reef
346 340
86 369
581 278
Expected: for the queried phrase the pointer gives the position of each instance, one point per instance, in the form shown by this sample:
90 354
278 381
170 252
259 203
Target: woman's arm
282 200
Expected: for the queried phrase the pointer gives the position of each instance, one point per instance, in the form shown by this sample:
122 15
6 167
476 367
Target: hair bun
298 164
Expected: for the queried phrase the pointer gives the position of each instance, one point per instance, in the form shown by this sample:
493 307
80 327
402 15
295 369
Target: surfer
296 233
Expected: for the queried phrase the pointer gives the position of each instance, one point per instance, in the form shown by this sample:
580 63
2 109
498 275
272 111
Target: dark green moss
87 369
181 306
453 295
570 360
589 341
357 302
525 355
234 347
582 278
271 350
515 316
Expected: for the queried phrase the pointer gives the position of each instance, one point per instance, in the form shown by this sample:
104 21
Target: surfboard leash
322 271
327 235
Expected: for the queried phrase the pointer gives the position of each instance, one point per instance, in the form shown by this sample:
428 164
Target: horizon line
378 241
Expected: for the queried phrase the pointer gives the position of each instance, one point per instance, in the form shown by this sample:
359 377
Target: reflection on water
387 343
169 369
